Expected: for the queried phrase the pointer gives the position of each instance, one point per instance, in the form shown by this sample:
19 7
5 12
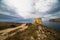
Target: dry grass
44 32
5 25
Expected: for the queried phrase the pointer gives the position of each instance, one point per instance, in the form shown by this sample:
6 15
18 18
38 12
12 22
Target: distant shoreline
54 20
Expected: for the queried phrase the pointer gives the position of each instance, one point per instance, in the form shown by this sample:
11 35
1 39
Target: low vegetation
5 25
35 32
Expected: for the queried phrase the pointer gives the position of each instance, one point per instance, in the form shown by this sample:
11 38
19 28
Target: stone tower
37 20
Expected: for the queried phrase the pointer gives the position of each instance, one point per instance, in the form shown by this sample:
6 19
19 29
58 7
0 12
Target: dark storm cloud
0 0
56 8
54 12
6 8
6 17
59 1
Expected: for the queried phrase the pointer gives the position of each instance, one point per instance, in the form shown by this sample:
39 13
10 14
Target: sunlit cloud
25 8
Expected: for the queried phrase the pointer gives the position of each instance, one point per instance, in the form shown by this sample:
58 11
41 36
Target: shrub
13 26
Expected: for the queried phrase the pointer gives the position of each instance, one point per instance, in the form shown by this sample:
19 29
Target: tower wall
37 20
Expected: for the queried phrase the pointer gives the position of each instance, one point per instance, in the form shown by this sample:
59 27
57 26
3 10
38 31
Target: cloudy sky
19 10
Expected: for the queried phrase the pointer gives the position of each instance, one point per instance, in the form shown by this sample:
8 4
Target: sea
55 25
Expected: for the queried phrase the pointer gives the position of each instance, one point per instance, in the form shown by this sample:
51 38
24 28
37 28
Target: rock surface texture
32 32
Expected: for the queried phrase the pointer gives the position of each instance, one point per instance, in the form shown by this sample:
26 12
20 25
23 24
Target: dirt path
11 31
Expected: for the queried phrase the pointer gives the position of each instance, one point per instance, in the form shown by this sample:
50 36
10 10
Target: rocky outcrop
36 32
